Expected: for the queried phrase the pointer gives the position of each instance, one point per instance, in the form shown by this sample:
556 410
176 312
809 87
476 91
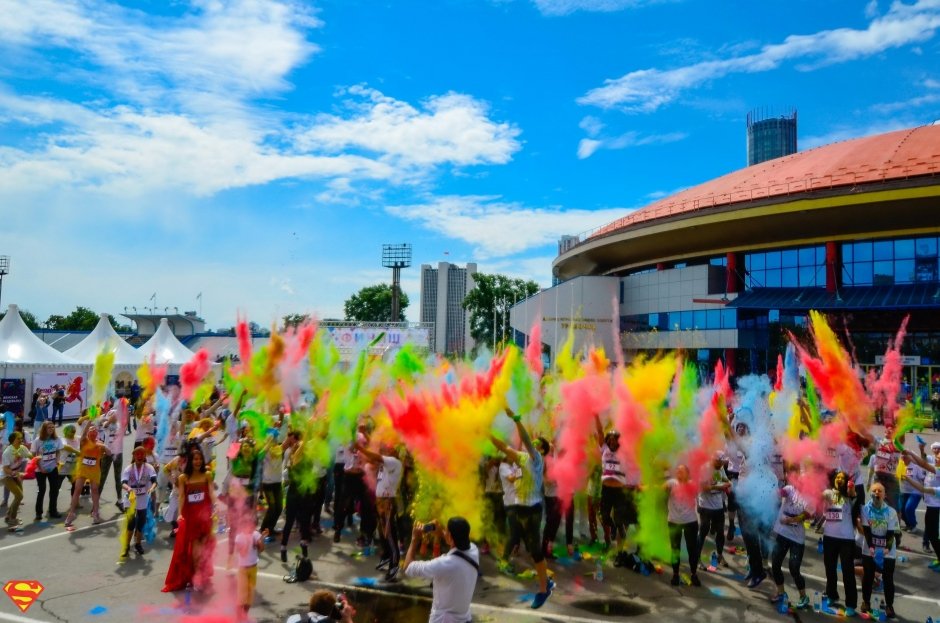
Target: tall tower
443 289
770 136
396 257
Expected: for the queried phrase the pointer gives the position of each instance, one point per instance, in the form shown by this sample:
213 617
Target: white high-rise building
443 290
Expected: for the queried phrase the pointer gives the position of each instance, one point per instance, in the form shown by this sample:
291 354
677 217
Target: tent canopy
104 336
164 347
18 345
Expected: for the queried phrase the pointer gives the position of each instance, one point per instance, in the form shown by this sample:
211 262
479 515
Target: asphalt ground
83 581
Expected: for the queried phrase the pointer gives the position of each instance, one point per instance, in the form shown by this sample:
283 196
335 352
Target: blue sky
261 152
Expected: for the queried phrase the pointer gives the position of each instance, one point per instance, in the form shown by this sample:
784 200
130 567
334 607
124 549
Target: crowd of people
221 468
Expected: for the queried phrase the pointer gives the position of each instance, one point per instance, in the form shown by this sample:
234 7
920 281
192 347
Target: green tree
374 304
28 317
120 328
82 319
488 305
294 320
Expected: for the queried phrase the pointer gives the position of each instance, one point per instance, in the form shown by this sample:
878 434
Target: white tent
104 336
26 362
19 346
164 347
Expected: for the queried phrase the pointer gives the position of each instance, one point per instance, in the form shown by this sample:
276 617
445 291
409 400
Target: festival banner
74 386
13 396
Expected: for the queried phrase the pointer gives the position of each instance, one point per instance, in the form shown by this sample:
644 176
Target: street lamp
4 270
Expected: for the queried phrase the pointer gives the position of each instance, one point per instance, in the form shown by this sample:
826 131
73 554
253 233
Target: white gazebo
164 348
105 337
26 359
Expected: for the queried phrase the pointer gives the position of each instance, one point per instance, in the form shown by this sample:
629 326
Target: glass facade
770 138
690 320
890 262
786 268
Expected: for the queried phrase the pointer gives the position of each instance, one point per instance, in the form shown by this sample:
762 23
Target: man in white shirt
454 574
387 483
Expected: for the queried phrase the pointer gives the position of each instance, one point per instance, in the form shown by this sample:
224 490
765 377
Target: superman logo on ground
24 593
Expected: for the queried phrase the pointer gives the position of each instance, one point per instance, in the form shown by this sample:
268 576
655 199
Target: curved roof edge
878 159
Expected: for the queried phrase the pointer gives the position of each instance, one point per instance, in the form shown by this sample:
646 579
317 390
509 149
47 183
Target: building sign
906 360
355 338
12 396
578 324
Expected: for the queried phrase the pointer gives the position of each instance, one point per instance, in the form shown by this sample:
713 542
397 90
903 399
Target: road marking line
15 618
57 534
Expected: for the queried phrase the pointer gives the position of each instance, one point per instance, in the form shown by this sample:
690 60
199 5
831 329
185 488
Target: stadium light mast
396 257
4 270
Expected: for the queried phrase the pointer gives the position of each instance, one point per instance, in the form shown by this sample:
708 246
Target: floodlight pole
4 270
396 257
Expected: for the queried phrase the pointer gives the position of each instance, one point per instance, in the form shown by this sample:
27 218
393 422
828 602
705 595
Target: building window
890 262
786 268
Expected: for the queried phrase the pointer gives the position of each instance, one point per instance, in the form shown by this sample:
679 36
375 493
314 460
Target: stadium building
725 269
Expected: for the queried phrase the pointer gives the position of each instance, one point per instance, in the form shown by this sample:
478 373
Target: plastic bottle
824 603
819 546
714 560
929 620
817 602
875 607
188 598
599 571
902 558
784 606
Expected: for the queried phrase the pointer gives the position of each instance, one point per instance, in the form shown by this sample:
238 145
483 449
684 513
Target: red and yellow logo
23 592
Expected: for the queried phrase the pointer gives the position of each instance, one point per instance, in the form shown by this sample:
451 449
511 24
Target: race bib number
48 456
199 496
140 489
834 514
89 461
244 481
879 541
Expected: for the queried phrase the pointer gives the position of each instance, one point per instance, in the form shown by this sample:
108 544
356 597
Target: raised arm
913 458
372 457
598 430
523 434
512 454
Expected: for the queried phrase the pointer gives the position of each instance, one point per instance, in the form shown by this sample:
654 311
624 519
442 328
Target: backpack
303 569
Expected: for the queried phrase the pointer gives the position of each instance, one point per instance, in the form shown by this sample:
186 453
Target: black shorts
618 506
732 500
529 524
138 521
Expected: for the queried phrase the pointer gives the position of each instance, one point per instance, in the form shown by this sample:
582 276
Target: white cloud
930 83
587 146
871 9
451 128
497 228
179 108
591 125
903 105
565 7
646 90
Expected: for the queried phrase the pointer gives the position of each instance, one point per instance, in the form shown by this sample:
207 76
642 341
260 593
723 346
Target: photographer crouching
454 574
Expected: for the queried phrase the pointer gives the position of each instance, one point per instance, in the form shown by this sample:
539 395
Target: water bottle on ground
817 602
599 571
875 607
819 546
824 603
714 560
784 606
188 598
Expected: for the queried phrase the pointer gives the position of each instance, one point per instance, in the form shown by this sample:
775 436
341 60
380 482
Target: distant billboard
349 340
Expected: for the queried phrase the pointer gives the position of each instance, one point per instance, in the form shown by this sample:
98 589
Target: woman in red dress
195 540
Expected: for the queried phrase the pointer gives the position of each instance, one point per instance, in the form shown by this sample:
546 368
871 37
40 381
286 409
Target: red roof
884 157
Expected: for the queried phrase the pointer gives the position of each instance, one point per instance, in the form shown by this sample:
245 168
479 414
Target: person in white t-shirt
711 508
839 539
15 456
112 436
790 538
138 478
388 480
454 574
881 528
249 542
47 447
683 522
931 500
